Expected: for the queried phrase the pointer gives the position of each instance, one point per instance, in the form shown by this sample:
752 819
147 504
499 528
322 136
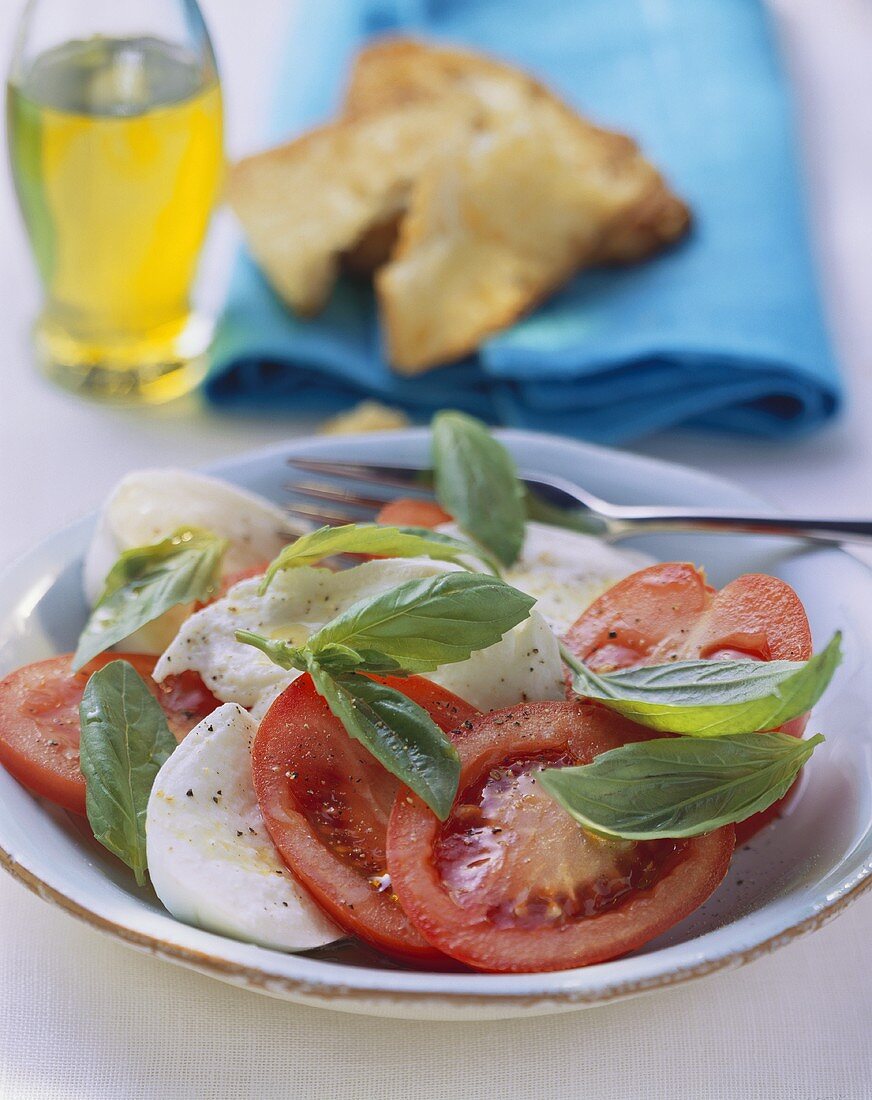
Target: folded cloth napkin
724 331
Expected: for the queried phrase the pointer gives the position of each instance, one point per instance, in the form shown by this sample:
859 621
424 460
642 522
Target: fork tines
329 491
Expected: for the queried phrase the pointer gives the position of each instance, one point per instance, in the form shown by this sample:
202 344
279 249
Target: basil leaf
477 482
400 735
124 741
679 786
147 581
711 698
333 658
373 538
339 658
426 623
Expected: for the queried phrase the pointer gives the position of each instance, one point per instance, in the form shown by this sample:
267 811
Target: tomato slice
240 575
228 582
39 720
326 803
510 882
668 612
407 512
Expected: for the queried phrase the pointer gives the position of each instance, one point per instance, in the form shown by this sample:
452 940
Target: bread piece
367 416
305 203
374 248
496 227
402 71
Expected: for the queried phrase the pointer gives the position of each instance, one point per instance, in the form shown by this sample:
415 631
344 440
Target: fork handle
634 521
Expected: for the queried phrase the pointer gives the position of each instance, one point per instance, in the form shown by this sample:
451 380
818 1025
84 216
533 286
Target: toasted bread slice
496 227
402 71
374 248
305 203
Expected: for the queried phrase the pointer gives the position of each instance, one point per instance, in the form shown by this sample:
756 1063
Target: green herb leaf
147 581
477 482
415 627
426 623
124 741
373 538
339 659
711 698
679 786
400 735
333 658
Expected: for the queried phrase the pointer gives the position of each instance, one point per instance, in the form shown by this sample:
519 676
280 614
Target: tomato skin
39 720
234 578
469 929
326 802
407 512
184 697
228 582
668 612
626 624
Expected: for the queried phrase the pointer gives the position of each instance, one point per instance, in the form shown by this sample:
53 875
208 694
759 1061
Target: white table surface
81 1016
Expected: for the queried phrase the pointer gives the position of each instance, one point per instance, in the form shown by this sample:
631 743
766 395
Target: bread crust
303 204
397 70
536 194
469 189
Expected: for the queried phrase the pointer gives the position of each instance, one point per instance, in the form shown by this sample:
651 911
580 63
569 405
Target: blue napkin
724 331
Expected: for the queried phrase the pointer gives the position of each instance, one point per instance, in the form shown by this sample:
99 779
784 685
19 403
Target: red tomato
326 803
510 882
233 578
406 512
667 612
39 720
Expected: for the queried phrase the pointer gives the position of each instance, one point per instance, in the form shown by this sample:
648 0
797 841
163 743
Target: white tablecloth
83 1017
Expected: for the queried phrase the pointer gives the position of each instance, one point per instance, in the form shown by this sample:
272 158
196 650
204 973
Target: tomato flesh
510 882
502 828
326 803
407 512
39 720
234 578
668 612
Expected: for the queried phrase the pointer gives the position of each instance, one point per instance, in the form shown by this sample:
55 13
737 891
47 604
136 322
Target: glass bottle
115 131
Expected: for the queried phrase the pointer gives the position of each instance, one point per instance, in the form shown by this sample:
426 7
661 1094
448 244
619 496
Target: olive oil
116 150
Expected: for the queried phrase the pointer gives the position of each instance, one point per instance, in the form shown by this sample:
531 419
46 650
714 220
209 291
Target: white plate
796 874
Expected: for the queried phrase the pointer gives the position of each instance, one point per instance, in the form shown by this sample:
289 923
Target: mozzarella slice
524 664
211 860
566 571
149 505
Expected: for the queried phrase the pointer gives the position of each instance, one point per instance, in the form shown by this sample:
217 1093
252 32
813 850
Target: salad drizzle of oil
511 853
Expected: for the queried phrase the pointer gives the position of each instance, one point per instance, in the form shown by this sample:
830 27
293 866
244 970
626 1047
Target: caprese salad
463 736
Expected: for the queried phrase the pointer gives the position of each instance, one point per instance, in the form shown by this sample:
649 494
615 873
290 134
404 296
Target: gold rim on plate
281 985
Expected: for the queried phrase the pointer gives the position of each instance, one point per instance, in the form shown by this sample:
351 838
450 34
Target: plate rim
370 984
327 991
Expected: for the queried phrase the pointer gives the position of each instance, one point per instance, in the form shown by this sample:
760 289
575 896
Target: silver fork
327 499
